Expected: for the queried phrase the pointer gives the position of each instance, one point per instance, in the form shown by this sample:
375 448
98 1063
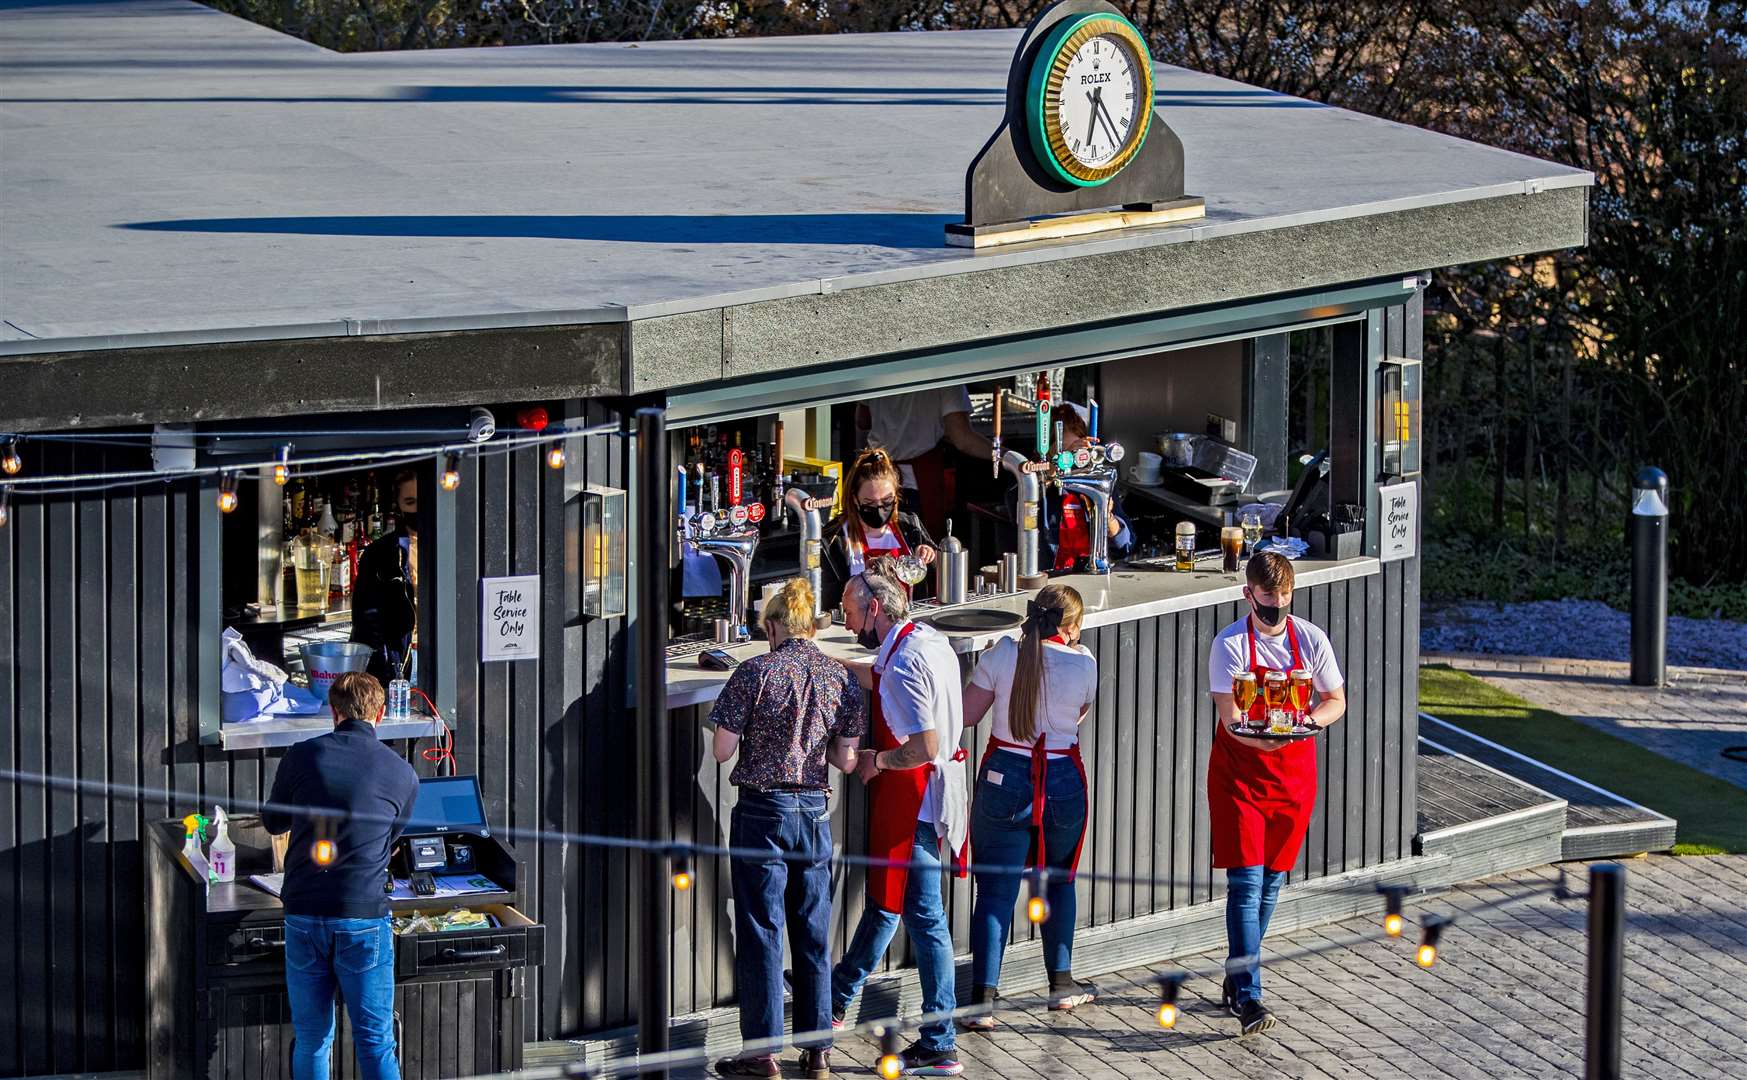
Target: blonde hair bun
792 608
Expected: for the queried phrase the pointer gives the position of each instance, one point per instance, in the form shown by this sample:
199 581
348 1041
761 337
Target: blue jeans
1001 836
773 893
358 956
925 919
1250 895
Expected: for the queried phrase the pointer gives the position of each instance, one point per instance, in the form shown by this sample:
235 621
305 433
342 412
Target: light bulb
1428 955
682 879
1037 910
1392 925
324 852
10 459
282 467
891 1066
555 456
1167 1015
451 471
227 492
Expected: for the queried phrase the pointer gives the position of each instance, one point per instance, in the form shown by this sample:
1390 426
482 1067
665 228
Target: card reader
716 660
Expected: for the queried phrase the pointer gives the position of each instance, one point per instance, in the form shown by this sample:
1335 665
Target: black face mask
867 637
1269 614
875 517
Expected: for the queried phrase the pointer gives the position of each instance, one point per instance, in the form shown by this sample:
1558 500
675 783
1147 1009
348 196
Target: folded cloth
235 707
1289 546
242 669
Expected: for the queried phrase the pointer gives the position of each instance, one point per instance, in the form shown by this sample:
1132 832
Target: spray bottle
223 852
194 830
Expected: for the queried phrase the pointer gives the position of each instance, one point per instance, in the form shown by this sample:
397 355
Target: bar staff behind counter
871 526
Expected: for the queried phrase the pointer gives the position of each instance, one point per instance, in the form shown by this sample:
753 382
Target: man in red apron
916 781
1260 792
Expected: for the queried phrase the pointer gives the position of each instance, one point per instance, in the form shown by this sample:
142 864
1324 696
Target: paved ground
1505 999
1690 720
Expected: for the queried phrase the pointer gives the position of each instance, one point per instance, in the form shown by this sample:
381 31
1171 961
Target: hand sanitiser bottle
194 827
223 852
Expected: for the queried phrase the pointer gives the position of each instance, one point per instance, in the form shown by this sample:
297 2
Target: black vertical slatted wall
97 635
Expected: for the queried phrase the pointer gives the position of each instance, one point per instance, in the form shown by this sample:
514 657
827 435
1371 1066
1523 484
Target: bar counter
1136 590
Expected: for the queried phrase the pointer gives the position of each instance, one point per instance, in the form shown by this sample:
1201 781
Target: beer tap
734 541
806 511
995 444
1025 473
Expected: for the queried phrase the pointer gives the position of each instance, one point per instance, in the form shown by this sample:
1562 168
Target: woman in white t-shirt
1030 804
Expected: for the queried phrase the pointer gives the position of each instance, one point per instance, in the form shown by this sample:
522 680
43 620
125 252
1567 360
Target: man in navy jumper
344 797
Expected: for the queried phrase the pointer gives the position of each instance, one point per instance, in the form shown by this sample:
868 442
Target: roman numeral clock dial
1090 98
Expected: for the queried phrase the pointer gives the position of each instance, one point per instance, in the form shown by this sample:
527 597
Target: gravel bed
1577 630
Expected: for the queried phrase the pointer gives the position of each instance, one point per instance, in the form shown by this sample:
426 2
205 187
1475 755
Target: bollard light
1647 530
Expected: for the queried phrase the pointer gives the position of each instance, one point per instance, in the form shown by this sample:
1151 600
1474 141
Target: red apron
1259 801
895 803
1039 796
1073 535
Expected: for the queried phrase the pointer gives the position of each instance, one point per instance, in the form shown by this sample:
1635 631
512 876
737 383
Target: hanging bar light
10 459
227 492
451 470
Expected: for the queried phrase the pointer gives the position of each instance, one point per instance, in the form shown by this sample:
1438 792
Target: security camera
481 425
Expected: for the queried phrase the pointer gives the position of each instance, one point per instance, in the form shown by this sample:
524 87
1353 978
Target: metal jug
952 570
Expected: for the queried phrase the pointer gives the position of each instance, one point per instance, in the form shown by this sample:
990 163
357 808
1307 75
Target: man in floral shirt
791 714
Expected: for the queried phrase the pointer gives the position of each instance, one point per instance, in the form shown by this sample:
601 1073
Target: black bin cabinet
215 974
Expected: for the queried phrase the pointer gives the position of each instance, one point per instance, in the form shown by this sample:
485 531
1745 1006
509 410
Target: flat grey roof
173 175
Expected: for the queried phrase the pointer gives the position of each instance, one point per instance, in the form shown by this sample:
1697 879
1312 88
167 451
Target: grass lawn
1712 813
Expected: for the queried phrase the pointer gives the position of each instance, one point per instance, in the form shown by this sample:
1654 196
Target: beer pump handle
736 474
1091 417
1043 417
680 501
995 446
776 484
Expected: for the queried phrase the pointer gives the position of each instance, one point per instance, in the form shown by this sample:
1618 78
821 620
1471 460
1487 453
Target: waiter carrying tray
1260 791
918 798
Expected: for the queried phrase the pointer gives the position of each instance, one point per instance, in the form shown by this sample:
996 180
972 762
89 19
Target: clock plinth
1008 188
1066 226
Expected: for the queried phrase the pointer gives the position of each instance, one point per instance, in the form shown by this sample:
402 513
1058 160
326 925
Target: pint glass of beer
1300 679
1274 693
1185 536
1231 544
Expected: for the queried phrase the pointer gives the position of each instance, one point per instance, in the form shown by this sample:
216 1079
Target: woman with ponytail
790 715
1030 805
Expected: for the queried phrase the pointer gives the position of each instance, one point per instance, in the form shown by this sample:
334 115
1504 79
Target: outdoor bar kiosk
1220 262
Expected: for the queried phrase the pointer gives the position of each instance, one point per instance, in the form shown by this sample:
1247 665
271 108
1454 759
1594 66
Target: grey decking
1465 774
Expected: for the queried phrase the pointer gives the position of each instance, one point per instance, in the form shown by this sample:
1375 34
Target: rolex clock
1089 98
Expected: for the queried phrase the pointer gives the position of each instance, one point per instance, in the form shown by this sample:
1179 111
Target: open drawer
516 941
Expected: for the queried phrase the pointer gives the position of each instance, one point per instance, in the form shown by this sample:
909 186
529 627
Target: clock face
1090 98
1097 110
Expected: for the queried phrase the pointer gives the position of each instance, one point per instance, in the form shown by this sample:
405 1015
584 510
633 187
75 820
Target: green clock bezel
1051 60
